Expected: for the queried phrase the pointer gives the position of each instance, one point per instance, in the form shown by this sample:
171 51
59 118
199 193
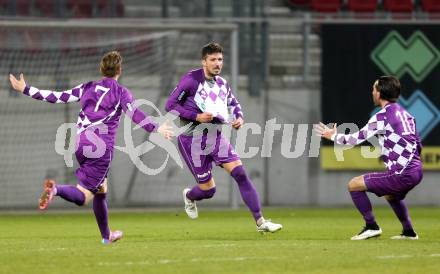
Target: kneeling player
401 148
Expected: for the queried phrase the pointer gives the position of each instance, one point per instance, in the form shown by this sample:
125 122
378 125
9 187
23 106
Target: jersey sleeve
234 105
375 126
137 115
55 97
178 96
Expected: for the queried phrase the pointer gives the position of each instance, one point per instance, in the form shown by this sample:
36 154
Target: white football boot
190 206
367 233
411 235
268 226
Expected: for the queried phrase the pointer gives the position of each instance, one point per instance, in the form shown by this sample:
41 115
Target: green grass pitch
312 241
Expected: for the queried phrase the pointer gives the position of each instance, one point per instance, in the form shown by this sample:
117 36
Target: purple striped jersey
102 103
194 94
397 135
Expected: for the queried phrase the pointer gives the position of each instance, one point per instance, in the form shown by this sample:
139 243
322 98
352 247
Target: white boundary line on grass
394 256
405 256
217 245
195 260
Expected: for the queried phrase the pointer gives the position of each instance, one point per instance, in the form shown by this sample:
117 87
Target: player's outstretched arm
324 131
374 126
17 84
145 121
139 117
67 96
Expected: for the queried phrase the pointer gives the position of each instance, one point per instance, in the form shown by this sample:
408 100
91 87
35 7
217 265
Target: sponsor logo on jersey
203 175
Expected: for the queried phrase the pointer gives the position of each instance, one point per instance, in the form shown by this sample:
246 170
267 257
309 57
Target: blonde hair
110 64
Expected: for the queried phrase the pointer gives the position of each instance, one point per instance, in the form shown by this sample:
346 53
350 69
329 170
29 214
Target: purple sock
196 194
71 193
101 214
247 190
362 203
401 212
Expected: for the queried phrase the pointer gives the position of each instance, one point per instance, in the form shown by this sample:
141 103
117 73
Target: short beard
212 75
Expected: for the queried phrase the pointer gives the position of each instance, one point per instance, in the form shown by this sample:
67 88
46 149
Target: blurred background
297 61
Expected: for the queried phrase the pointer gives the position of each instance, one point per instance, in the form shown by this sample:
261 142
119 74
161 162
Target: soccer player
203 98
102 103
401 148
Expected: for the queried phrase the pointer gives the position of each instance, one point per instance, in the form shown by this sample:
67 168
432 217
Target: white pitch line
219 245
195 260
52 249
405 256
394 256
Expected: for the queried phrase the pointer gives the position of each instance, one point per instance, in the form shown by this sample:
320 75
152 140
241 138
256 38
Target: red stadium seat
46 7
104 8
362 5
431 5
80 8
398 5
23 7
85 8
326 5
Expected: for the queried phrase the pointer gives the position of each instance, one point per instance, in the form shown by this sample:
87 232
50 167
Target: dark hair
211 48
110 64
388 87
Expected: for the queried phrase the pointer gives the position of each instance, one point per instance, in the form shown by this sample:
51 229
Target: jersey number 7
105 90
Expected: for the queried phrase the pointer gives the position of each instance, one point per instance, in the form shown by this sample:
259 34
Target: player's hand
204 117
324 131
238 123
17 84
166 130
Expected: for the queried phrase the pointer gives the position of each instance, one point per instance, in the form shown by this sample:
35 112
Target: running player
203 98
102 103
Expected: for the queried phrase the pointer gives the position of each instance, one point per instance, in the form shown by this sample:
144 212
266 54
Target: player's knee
357 184
352 184
102 188
209 193
207 185
87 200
